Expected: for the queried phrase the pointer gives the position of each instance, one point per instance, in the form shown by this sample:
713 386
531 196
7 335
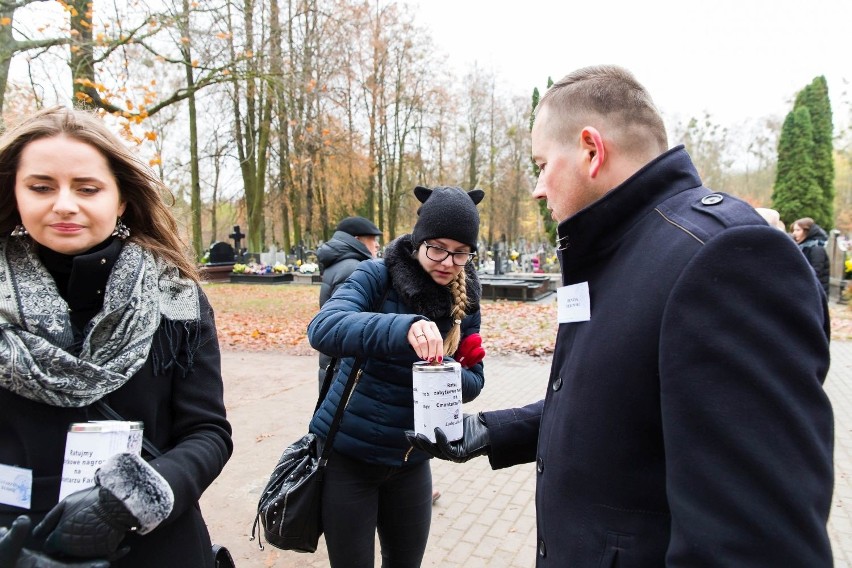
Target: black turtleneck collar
81 278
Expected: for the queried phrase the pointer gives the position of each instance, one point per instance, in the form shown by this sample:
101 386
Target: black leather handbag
289 509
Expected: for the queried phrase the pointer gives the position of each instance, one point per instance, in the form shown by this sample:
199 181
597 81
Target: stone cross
237 236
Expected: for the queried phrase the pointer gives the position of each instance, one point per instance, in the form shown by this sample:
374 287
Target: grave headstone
220 253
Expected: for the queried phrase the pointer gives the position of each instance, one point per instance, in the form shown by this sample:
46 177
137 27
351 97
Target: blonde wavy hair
147 214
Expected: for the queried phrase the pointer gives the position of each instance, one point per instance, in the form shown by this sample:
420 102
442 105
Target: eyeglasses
438 254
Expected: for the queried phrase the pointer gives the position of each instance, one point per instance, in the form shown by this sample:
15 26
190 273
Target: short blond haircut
611 94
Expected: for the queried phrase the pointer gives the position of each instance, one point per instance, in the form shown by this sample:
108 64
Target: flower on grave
514 255
280 268
239 268
308 268
847 266
259 268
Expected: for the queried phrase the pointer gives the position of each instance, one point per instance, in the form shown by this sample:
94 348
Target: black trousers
360 499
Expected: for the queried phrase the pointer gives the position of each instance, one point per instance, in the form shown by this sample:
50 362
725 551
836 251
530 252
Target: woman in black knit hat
418 303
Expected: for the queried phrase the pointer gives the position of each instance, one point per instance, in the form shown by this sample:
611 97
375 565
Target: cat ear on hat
422 193
476 195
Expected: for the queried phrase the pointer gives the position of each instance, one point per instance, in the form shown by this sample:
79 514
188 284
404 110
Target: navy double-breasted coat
685 423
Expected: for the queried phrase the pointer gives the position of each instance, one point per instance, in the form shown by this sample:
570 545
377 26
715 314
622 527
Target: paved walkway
484 518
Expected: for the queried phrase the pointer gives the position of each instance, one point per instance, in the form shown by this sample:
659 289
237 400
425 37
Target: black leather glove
474 442
87 524
129 494
14 555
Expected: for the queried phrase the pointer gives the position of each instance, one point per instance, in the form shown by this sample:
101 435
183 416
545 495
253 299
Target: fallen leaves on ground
275 317
841 321
264 317
268 317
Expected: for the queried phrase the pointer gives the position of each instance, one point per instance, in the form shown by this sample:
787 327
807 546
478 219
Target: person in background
811 239
418 303
355 239
685 421
101 308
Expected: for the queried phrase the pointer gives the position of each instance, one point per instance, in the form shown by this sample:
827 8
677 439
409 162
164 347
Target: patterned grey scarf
35 327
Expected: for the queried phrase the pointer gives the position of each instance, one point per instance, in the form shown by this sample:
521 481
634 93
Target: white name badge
16 486
573 303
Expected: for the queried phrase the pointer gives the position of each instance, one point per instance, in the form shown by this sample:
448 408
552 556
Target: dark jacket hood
816 233
340 247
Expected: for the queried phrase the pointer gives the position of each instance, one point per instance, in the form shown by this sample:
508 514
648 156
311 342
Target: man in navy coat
684 423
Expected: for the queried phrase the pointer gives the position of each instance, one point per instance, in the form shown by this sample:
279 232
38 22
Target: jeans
360 498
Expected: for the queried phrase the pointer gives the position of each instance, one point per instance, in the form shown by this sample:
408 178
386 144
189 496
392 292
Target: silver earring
19 231
121 230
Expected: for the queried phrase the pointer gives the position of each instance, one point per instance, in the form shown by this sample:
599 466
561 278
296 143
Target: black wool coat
178 396
685 423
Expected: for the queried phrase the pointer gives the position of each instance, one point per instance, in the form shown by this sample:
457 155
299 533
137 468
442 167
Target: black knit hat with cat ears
447 213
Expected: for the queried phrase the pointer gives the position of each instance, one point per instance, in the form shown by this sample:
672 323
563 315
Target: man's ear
592 143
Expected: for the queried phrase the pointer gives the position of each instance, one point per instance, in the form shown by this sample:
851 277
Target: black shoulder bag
290 507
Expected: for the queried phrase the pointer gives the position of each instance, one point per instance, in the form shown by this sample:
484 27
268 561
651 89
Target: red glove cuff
470 351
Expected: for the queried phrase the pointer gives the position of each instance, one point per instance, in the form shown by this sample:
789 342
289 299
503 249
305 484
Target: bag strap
110 413
351 381
354 375
326 382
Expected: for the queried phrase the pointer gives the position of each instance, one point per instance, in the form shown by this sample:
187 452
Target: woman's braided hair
458 288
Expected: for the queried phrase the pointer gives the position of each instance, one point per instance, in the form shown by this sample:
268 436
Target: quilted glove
129 495
475 441
470 351
14 555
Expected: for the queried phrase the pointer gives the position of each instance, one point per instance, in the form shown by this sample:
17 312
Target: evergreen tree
815 98
797 193
549 223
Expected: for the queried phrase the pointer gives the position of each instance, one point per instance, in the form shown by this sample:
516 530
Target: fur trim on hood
417 289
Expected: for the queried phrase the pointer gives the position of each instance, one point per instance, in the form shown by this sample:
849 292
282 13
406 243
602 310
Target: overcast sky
736 59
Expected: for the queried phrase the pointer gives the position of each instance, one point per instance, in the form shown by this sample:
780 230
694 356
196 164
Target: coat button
542 551
103 261
712 199
539 465
557 384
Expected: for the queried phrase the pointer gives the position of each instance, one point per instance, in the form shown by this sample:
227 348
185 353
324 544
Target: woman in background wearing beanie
429 294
